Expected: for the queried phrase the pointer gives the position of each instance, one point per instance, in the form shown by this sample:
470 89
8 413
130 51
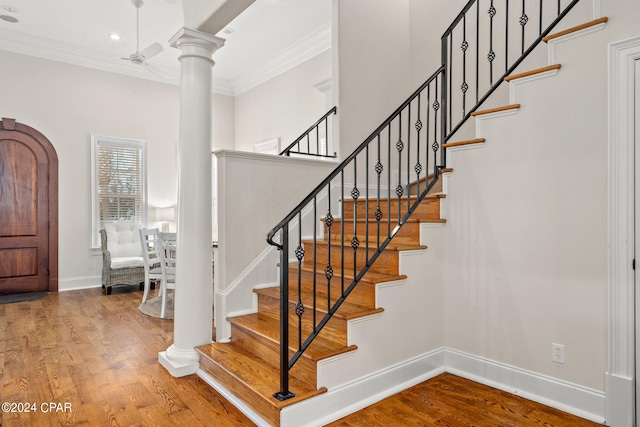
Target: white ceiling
268 38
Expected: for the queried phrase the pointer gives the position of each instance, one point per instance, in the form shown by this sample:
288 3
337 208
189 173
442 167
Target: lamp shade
165 214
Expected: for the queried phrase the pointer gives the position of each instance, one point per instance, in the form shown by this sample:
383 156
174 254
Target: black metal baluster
399 148
342 236
464 46
378 216
491 55
426 140
389 182
506 37
558 7
477 51
408 158
355 242
450 42
540 23
315 252
418 166
299 255
328 220
523 22
436 107
326 137
366 198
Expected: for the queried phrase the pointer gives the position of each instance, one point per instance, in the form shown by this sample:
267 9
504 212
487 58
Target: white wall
427 22
283 107
67 104
372 57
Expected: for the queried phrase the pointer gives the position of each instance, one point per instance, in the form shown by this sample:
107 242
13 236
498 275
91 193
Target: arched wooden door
28 210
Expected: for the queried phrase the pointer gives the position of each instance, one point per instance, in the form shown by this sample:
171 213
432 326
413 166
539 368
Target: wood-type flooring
81 358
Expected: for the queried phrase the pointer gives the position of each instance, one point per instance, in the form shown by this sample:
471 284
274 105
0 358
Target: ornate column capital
193 43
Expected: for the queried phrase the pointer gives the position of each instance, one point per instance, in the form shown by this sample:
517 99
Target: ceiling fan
142 57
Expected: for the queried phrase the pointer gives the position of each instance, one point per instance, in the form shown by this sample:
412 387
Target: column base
179 362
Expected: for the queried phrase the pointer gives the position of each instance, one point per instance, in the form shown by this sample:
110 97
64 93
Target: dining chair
150 241
168 252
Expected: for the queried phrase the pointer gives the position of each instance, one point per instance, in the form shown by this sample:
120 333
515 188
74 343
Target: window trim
96 141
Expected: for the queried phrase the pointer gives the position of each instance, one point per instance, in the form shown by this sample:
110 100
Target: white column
193 294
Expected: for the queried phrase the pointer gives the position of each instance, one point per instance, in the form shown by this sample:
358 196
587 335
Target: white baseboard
75 283
565 396
349 398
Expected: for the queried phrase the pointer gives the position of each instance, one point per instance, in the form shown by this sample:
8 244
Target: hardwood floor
448 400
100 355
95 357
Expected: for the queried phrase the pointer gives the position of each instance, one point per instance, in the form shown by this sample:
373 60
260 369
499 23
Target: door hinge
633 264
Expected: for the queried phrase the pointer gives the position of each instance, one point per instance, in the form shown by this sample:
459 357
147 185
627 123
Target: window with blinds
119 182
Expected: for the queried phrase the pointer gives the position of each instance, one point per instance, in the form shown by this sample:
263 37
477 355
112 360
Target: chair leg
108 289
145 295
163 289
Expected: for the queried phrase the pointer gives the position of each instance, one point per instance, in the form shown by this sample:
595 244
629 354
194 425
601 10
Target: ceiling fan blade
151 51
156 70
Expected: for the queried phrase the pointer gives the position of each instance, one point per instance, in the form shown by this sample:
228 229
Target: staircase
342 244
248 366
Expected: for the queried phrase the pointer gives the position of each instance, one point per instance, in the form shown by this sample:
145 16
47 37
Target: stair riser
269 351
364 293
242 390
409 233
387 262
428 209
437 188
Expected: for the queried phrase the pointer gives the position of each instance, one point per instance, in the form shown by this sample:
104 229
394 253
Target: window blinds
120 184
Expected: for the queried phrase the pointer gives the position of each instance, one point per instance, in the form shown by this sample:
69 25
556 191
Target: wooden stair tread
254 374
267 325
443 170
393 220
576 28
347 310
532 72
371 277
372 246
403 198
460 143
496 110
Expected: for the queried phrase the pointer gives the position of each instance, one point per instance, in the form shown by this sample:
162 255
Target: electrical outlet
557 353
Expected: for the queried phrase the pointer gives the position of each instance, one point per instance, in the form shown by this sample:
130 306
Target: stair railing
315 140
394 169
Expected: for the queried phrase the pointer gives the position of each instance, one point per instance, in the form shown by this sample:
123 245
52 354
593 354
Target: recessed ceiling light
8 18
114 36
228 31
10 9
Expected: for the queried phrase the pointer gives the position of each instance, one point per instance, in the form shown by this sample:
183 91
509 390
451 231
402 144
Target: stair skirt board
349 398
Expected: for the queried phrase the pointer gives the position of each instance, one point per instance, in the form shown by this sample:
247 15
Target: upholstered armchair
122 262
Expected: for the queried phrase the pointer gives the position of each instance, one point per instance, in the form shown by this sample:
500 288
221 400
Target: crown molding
303 50
40 47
